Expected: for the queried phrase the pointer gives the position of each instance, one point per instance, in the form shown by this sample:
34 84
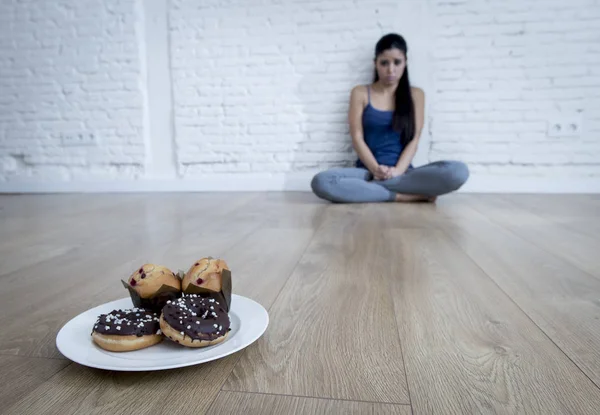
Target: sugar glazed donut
195 321
127 330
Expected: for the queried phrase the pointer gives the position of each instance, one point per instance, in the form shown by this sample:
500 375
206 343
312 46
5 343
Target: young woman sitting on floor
386 119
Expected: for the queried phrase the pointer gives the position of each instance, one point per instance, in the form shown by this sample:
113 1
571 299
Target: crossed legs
356 185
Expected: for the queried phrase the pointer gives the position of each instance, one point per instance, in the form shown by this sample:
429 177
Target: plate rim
253 338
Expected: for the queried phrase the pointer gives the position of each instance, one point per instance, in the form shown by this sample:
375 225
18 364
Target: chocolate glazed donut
195 321
127 330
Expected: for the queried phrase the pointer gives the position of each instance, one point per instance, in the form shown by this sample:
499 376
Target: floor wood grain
560 240
475 304
253 403
478 350
333 333
80 390
21 375
557 295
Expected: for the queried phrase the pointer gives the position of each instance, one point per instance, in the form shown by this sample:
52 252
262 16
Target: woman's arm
357 100
411 149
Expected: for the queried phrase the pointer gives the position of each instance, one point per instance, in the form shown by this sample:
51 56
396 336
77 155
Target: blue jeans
356 185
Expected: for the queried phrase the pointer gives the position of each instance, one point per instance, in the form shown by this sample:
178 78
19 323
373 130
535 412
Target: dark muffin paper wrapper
224 295
157 301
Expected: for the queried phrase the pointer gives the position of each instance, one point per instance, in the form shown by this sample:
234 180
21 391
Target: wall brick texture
262 86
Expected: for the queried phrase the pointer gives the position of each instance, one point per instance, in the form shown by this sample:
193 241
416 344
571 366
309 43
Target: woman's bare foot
407 198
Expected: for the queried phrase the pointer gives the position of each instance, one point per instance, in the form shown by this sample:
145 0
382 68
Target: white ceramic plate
249 320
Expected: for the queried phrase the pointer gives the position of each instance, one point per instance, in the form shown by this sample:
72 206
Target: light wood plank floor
477 304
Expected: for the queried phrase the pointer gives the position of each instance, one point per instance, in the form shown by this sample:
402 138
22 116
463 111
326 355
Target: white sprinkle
197 322
159 332
214 314
212 300
106 327
220 327
182 334
215 325
217 303
137 315
118 327
205 314
212 308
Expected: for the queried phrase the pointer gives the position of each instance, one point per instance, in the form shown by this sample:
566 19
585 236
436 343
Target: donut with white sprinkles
195 321
126 330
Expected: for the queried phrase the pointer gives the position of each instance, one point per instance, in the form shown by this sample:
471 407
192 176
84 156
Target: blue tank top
380 136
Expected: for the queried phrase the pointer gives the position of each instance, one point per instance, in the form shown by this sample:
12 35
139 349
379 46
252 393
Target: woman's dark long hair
404 113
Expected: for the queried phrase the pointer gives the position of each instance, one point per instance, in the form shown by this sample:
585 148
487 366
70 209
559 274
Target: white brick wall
263 86
208 92
69 68
503 71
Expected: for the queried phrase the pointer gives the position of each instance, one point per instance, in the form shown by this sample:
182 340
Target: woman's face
390 65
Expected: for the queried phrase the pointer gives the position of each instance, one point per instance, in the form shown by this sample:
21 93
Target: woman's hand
394 172
381 172
386 172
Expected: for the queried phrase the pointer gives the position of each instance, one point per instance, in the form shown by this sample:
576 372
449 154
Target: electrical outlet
78 139
565 126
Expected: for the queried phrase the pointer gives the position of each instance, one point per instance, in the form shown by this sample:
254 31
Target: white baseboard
495 184
288 182
208 183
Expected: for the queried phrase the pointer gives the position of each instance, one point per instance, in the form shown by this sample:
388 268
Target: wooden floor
478 304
